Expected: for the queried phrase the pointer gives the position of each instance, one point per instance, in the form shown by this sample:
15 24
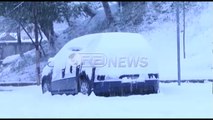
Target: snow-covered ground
190 100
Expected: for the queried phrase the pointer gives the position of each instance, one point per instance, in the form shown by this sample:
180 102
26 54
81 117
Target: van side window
70 69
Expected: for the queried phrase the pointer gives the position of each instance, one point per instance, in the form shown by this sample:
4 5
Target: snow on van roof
107 40
107 43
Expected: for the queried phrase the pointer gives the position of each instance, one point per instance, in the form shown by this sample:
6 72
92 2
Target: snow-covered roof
12 38
107 43
7 37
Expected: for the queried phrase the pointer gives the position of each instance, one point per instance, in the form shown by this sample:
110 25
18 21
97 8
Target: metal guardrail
188 81
161 81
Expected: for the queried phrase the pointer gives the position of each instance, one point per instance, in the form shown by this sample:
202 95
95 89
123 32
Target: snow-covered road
190 100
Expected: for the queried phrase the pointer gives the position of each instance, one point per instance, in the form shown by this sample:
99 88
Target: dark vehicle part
46 83
119 88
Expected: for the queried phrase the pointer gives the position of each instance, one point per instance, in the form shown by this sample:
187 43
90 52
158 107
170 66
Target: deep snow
190 100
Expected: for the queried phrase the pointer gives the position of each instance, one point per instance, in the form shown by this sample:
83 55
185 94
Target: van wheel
45 86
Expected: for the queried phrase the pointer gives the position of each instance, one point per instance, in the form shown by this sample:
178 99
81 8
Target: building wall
8 49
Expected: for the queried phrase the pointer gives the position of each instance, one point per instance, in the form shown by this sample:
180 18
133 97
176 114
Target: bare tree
37 47
108 12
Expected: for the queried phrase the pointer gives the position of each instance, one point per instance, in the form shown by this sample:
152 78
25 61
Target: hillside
199 44
161 34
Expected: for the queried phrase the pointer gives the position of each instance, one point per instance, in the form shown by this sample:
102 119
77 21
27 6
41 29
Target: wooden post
37 47
178 43
184 50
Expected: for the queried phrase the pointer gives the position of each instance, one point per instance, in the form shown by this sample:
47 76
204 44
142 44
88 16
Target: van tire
45 85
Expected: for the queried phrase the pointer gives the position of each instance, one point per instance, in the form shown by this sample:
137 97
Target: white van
108 64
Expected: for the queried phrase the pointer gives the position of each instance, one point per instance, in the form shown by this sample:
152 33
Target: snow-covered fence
17 84
8 48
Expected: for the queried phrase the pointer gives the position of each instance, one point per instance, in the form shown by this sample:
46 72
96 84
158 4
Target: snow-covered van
108 64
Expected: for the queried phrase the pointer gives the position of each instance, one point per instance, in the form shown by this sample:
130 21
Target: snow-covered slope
199 45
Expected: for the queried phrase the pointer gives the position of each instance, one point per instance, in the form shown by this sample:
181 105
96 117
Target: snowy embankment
186 101
15 69
198 63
